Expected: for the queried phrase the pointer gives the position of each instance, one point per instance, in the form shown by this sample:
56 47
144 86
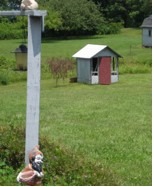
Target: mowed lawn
128 44
106 124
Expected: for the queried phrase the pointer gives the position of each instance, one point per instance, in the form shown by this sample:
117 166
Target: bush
4 79
110 28
7 174
11 154
62 166
6 64
59 68
11 149
10 31
13 28
133 67
8 73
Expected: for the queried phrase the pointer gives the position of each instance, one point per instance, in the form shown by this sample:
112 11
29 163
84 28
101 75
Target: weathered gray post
33 83
35 21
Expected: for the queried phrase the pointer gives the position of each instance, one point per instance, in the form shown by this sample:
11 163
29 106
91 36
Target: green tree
53 19
130 12
9 4
75 17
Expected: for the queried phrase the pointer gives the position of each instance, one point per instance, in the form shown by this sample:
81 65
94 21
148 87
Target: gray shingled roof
147 22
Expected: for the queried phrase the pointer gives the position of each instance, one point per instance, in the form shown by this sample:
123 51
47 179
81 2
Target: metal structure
97 64
35 27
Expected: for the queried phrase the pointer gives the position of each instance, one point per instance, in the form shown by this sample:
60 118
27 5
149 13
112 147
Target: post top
39 13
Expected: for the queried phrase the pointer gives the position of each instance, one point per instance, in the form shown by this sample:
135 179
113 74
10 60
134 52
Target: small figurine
32 174
28 5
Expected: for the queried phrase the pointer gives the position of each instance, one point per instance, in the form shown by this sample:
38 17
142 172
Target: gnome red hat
34 152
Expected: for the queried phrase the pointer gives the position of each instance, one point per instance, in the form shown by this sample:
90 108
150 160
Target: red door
105 70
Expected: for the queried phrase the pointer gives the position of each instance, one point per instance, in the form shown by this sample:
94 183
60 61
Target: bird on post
29 5
32 174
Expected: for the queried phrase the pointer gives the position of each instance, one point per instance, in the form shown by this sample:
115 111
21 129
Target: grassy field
136 59
127 43
107 124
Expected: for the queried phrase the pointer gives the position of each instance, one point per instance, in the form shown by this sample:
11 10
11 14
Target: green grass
127 43
107 124
136 59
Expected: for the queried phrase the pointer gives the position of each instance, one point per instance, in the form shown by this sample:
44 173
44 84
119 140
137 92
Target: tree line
80 17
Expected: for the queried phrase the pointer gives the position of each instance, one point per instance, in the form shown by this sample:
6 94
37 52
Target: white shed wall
146 39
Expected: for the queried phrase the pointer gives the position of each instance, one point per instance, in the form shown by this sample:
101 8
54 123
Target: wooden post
35 21
33 84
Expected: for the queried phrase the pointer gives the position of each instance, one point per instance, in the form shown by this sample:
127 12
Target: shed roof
90 50
147 22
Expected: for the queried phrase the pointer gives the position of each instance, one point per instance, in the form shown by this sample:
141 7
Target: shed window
114 70
113 65
95 64
150 33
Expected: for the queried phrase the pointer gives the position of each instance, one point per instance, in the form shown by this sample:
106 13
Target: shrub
6 63
11 158
133 67
61 166
7 174
10 147
8 73
110 28
10 29
4 79
59 68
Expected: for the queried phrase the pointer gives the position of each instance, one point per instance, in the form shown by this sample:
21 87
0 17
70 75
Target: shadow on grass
60 38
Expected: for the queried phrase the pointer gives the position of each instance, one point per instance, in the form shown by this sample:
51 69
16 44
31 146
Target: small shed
97 64
147 32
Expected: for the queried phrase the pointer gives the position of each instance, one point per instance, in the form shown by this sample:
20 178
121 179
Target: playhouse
97 64
147 32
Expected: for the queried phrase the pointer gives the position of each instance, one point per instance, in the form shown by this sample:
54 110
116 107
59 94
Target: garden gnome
29 5
32 174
